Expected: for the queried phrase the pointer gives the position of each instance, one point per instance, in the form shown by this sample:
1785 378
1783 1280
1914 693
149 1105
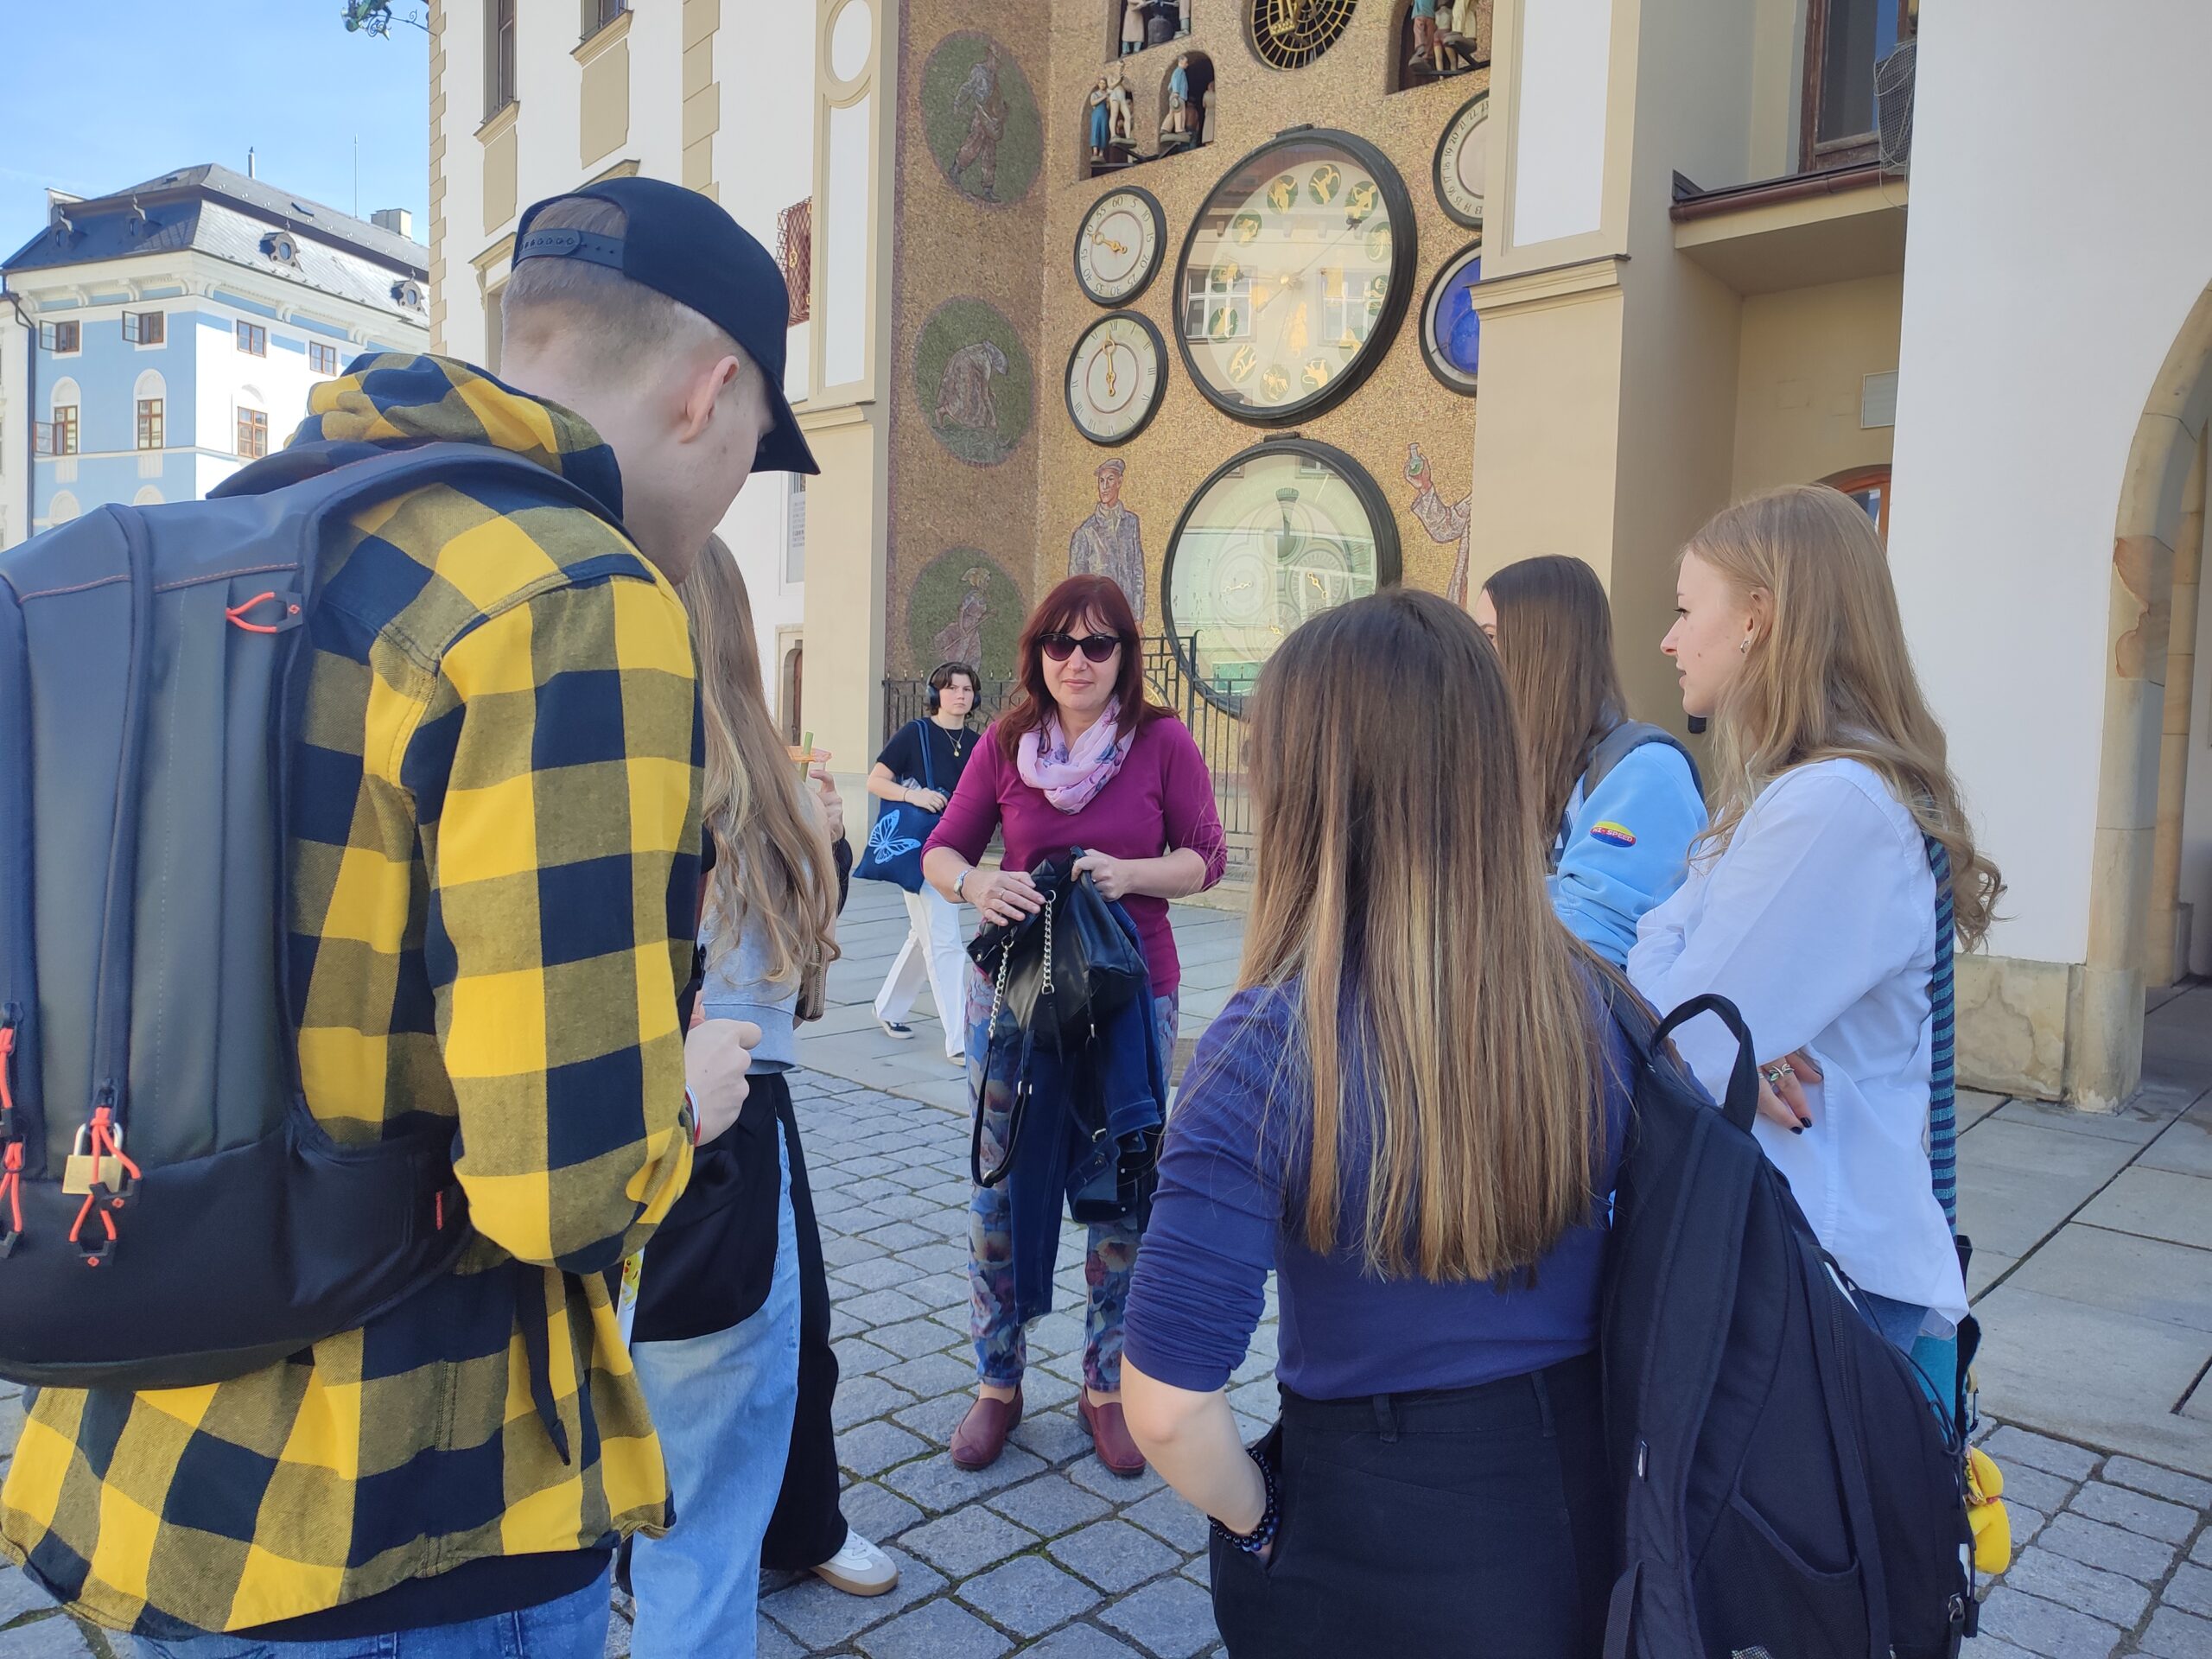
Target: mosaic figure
1444 525
963 395
979 94
1110 543
961 640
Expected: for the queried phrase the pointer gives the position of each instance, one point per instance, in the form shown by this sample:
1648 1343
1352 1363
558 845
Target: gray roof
225 214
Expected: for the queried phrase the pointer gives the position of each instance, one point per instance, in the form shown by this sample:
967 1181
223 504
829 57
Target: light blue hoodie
1625 849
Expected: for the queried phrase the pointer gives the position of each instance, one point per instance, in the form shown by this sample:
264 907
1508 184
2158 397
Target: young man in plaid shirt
495 867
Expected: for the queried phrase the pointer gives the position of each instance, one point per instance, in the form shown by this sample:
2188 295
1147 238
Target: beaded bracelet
1255 1542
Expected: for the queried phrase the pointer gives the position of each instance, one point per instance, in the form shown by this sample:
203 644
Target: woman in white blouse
1810 902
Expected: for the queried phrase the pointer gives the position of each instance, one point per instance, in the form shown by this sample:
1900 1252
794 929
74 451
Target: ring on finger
1776 1074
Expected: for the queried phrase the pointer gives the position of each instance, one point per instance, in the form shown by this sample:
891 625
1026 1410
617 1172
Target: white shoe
860 1568
960 1060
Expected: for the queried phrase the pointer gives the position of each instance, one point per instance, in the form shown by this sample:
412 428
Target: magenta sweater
1160 800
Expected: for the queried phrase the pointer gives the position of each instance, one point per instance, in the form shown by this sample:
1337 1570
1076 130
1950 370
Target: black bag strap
1741 1103
929 772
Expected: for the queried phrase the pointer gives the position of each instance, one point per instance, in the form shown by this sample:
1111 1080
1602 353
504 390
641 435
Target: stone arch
2162 494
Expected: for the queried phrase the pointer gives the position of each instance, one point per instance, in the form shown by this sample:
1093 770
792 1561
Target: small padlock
82 1170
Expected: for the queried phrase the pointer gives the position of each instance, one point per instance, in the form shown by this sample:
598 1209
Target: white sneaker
860 1568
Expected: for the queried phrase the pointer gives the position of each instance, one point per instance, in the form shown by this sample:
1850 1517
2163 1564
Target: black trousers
808 1528
1470 1522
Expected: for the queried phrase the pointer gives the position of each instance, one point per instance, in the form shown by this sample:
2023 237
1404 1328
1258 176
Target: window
254 432
322 359
795 253
495 325
149 422
65 430
1214 309
598 14
41 437
146 328
62 339
1870 488
499 55
253 339
1844 39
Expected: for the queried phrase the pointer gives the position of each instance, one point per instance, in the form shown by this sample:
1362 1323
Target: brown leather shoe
982 1434
1109 1436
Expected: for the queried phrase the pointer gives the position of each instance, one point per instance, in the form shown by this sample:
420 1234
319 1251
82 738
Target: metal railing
1218 734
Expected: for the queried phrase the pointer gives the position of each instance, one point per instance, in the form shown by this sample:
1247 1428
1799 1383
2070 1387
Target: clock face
1450 333
1291 34
1295 276
1279 535
1117 249
1115 375
1462 159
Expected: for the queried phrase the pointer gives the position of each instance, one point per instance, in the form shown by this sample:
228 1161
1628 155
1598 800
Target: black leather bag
1054 976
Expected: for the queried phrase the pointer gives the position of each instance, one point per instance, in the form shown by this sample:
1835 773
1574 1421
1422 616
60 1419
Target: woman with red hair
1084 759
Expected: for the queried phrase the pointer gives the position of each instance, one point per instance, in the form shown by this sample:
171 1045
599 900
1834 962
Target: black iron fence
1218 734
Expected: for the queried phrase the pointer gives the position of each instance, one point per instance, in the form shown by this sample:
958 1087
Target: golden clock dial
1294 275
1115 375
1118 248
1291 34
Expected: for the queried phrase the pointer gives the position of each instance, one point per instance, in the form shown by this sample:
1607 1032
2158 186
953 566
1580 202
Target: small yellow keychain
1985 1515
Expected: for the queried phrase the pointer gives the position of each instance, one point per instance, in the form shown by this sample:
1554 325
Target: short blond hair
622 325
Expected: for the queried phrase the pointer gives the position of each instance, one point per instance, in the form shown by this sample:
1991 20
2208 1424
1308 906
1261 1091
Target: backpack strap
1943 1069
929 772
1624 740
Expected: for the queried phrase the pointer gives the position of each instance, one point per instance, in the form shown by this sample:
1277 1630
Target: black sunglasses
1097 647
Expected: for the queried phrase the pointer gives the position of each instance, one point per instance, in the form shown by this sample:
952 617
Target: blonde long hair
773 874
1398 861
1555 639
1831 676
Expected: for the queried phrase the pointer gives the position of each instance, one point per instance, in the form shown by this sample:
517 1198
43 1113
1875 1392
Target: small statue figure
1428 44
1205 129
1132 27
1185 28
1102 120
1123 107
1177 124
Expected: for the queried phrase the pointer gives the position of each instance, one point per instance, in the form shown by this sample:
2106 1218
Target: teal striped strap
1942 1070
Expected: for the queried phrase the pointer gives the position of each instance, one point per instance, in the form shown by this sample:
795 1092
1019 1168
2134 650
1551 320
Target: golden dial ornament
1118 246
1291 34
1294 277
1115 375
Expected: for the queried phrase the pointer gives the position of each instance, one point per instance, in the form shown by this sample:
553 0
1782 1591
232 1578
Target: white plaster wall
1558 179
15 426
2196 805
2026 358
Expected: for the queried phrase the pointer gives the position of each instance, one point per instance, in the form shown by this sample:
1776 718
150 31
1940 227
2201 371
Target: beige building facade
1723 245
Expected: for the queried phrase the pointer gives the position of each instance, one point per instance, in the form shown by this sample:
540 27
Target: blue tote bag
893 852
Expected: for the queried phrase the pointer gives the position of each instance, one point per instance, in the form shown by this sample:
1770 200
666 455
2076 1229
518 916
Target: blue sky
156 86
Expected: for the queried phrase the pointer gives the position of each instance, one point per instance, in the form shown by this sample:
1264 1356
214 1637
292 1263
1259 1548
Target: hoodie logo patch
1619 833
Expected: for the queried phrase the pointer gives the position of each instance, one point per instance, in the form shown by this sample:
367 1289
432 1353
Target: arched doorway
2158 538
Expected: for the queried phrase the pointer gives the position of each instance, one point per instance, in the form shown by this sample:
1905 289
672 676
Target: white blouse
1819 923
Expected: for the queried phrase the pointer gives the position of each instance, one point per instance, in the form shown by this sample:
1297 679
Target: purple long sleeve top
1161 800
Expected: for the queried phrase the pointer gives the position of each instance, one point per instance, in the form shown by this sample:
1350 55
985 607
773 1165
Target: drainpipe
30 400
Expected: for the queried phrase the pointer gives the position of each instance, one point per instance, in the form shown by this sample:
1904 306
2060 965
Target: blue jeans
724 1405
573 1627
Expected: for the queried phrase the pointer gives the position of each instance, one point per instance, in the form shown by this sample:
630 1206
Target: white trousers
933 951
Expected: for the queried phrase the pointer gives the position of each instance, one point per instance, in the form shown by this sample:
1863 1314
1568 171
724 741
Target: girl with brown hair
1618 802
1408 1110
1818 901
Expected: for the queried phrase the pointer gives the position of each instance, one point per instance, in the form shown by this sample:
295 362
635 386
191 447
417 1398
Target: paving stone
2012 1445
1170 1516
769 1641
1989 1647
905 1206
904 1235
1051 1505
875 1512
936 1259
2159 1482
2153 1517
57 1638
616 1645
20 1594
823 1620
939 1630
860 1398
883 1307
839 1251
937 1484
1199 1571
966 1542
2176 1634
2201 1551
1080 1642
1094 1475
1055 1436
935 1420
1041 1390
1028 1596
2036 1488
913 1340
2045 1628
1114 1555
877 1273
2113 1548
1173 1618
931 1375
2090 1590
2191 1590
872 1448
2027 1524
857 1356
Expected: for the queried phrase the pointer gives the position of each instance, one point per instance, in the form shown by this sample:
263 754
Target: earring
1743 645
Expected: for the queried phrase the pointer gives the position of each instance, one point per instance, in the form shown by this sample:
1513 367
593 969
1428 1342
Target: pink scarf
1071 777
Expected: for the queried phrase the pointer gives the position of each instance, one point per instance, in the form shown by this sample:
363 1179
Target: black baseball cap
680 244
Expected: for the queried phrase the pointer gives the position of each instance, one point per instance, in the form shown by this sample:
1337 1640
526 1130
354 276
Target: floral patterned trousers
1001 1350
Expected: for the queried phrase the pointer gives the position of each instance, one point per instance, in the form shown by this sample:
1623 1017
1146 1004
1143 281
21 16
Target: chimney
250 173
397 220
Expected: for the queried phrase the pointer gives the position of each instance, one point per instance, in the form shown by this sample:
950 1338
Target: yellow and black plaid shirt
495 863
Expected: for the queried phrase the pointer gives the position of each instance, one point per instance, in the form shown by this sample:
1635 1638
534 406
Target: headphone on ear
932 701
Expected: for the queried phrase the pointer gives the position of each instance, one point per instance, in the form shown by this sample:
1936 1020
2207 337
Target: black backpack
171 1214
1785 1487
